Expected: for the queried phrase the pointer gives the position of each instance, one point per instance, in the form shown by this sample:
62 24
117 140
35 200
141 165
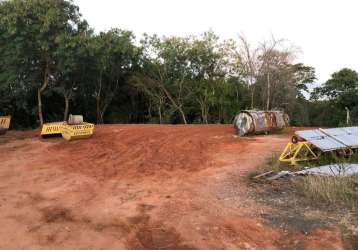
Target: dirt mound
139 187
145 150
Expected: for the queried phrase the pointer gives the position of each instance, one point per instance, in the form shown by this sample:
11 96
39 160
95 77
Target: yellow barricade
5 121
80 131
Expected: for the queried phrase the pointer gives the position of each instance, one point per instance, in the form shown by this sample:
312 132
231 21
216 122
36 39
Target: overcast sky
326 31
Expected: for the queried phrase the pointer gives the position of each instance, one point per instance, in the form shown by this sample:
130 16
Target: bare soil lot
142 187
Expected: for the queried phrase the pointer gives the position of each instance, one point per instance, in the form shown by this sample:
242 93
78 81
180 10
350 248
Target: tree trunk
39 94
178 107
102 111
252 96
40 107
182 115
160 114
204 115
98 107
204 111
98 99
268 92
101 117
67 106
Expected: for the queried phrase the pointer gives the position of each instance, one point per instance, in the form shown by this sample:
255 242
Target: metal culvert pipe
256 122
75 119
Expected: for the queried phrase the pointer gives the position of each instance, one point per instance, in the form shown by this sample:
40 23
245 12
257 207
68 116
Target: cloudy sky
326 31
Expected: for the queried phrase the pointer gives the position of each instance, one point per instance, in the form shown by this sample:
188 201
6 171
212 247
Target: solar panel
310 134
331 139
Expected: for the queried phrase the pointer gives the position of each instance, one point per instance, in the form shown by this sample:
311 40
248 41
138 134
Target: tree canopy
339 93
52 63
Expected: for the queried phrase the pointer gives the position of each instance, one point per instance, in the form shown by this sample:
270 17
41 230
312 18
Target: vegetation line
53 64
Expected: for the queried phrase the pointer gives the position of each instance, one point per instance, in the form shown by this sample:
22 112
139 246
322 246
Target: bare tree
276 56
269 63
267 67
250 64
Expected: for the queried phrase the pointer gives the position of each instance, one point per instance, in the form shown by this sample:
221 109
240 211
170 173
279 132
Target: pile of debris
334 170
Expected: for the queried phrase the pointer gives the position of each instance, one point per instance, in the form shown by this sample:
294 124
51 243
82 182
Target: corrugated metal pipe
256 122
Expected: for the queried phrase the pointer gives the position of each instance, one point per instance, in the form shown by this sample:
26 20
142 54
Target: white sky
325 31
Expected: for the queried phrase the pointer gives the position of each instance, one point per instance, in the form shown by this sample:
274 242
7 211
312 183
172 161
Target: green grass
271 164
330 190
319 189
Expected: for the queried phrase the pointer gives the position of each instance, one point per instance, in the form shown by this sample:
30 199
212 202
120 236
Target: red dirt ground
140 187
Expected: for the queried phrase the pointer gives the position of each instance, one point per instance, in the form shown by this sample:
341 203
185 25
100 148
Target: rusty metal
256 122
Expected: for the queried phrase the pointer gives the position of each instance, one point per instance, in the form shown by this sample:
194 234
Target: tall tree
30 31
72 65
115 56
340 91
250 65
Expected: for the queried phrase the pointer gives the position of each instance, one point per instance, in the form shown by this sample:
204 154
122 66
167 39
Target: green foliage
330 100
51 62
30 33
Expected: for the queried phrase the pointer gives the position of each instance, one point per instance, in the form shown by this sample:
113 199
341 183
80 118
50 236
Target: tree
30 30
52 63
72 60
167 69
115 57
250 65
341 91
187 75
212 64
341 88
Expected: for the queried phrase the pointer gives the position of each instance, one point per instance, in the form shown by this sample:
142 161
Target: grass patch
331 190
308 203
271 164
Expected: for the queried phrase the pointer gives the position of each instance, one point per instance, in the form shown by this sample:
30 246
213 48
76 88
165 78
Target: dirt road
140 187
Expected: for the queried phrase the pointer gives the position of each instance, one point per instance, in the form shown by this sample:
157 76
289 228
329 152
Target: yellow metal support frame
296 152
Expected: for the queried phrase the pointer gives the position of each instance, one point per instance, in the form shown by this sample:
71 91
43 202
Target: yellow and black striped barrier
53 128
79 131
4 124
68 132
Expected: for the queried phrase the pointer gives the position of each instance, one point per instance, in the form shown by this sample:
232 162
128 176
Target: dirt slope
139 187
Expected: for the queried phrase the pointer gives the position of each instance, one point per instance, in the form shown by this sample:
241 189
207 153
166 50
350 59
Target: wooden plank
262 175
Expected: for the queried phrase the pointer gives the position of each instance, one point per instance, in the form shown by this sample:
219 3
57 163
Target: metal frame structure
308 145
296 152
74 129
